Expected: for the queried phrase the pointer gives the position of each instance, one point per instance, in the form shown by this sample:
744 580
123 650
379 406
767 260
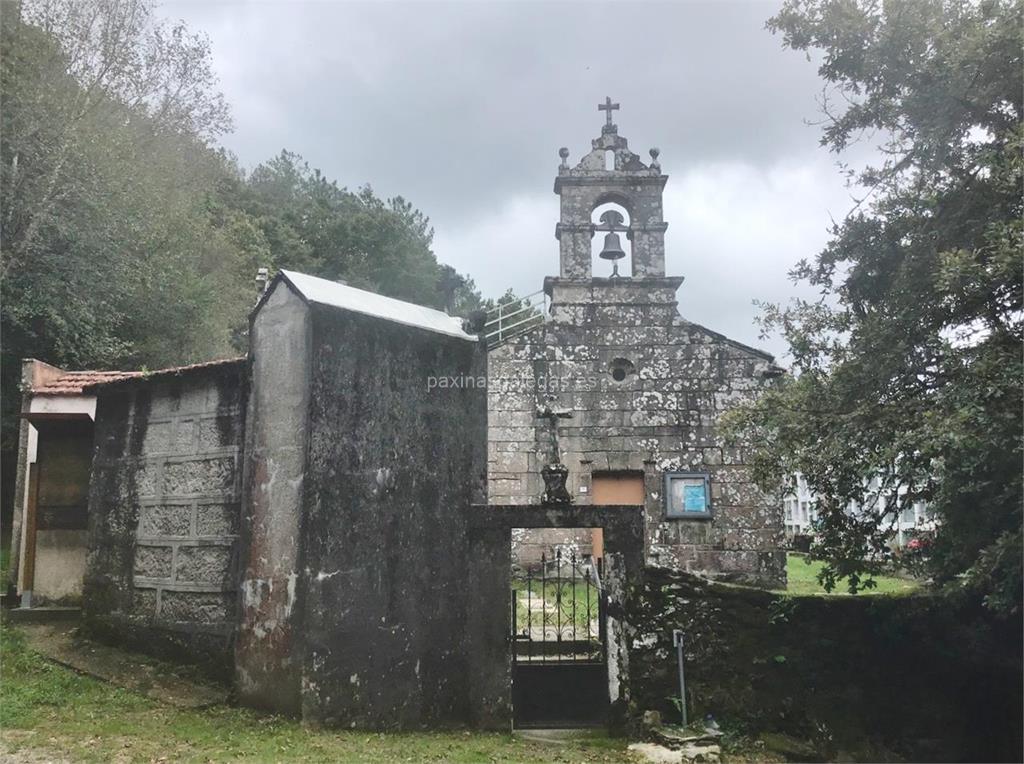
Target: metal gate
559 662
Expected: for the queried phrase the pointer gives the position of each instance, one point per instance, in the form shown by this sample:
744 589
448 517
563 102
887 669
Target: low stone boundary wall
869 677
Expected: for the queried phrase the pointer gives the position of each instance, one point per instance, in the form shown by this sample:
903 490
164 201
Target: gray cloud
461 107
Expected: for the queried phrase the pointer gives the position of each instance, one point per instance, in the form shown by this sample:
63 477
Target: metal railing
558 612
511 319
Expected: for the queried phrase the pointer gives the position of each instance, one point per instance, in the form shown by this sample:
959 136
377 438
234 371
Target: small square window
687 495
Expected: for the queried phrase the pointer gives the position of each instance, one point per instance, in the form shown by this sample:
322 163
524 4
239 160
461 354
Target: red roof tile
169 372
79 382
74 382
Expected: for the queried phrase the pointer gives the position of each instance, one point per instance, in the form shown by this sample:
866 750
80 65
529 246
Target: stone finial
655 152
564 154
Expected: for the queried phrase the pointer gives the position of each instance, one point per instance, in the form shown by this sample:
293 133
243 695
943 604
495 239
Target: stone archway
488 582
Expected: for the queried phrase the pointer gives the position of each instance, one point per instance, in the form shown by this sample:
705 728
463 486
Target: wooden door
614 488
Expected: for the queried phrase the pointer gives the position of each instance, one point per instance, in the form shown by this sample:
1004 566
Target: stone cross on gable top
609 107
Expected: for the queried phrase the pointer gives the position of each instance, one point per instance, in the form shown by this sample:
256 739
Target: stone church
639 389
334 531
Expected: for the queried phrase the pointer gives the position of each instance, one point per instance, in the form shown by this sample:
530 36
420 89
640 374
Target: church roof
335 295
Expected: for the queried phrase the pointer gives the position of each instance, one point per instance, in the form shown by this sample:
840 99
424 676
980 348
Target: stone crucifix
554 472
609 107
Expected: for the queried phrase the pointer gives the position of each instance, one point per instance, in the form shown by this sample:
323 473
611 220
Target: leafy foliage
129 238
112 253
908 369
313 225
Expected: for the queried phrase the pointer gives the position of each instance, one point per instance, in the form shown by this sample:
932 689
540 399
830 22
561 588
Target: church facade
639 390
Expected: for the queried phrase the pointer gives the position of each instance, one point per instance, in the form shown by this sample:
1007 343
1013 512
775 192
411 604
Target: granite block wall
164 510
646 389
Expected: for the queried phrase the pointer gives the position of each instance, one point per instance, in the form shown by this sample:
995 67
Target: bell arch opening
611 251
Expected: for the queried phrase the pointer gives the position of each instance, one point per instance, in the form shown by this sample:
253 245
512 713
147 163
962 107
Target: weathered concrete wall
63 463
60 561
357 472
662 416
868 678
266 659
164 509
392 465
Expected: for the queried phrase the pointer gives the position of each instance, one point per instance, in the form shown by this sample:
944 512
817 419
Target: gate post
488 580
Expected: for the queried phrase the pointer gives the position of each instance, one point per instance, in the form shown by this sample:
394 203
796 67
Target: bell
612 248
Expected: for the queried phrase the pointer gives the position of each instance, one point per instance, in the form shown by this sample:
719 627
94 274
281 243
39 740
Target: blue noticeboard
694 499
687 495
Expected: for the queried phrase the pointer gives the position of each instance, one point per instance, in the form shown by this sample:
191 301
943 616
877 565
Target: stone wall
866 678
164 510
663 415
393 465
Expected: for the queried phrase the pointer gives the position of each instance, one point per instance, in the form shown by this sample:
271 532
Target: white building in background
800 512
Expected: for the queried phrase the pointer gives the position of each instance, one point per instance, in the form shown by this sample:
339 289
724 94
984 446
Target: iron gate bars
558 611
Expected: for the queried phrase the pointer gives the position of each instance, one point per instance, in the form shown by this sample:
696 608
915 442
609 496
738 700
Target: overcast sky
461 109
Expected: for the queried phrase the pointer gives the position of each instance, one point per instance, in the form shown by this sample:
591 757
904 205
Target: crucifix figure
554 472
609 107
553 415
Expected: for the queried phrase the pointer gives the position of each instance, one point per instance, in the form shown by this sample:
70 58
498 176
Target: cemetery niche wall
162 560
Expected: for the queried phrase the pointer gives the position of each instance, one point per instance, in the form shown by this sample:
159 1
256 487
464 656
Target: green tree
908 370
113 251
314 225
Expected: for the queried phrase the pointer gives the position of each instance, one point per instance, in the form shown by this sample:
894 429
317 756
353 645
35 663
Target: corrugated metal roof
324 292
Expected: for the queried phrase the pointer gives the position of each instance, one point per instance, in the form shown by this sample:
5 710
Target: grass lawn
576 601
45 708
803 580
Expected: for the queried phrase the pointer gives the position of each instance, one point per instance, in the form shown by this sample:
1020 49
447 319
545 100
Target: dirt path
34 755
59 642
